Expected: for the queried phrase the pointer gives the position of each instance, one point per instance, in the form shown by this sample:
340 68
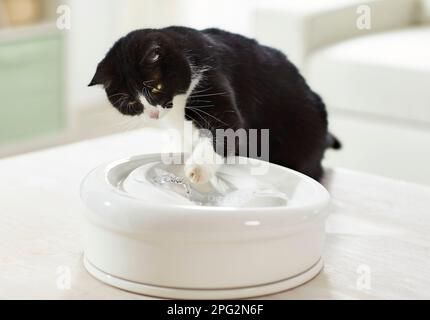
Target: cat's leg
203 163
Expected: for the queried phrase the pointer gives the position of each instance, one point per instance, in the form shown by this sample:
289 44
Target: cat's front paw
198 173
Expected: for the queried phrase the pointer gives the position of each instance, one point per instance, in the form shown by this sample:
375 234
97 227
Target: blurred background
370 61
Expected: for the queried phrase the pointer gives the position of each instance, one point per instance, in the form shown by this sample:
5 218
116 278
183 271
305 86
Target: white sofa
375 82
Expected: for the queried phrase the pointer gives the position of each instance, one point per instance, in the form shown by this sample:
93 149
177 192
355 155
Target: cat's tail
333 142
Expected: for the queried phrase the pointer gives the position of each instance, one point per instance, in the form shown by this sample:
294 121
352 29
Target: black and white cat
217 80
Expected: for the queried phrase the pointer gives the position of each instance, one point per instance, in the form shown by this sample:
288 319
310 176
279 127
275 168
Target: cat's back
222 41
223 37
243 46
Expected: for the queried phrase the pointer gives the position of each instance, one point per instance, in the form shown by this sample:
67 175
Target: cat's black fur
246 85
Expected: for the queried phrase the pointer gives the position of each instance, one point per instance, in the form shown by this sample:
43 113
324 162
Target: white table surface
378 234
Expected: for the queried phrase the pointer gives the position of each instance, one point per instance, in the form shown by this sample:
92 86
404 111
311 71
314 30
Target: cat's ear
152 55
103 74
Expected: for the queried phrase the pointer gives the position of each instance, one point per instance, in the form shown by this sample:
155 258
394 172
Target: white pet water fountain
244 235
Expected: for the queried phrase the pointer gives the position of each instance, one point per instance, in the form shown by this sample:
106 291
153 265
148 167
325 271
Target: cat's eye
157 88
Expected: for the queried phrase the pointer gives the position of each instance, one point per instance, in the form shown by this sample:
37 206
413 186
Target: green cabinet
31 88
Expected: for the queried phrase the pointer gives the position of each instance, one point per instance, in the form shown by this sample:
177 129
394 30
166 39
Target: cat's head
142 73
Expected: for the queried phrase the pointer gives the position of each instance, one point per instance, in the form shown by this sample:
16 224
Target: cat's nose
154 114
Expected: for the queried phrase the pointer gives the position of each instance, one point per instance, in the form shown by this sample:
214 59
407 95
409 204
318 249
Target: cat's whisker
147 92
118 94
131 106
203 90
206 122
207 95
207 125
144 90
120 100
203 118
208 114
199 100
203 106
195 121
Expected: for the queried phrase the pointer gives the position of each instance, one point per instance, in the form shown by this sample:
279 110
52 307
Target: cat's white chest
182 133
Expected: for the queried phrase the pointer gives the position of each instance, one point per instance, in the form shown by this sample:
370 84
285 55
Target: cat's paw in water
198 174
